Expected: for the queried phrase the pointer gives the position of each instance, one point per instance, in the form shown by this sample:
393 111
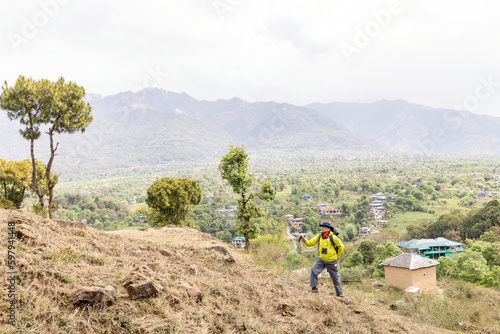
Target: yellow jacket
331 254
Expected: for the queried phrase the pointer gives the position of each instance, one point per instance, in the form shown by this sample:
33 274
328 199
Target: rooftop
422 244
410 261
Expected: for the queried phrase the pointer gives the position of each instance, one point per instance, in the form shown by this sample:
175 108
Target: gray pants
333 270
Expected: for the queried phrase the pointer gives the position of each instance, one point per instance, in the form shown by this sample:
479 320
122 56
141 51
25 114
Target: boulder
140 275
220 249
229 259
142 290
25 232
222 254
224 258
140 284
93 296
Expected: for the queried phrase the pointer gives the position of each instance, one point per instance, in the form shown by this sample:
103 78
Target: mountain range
157 127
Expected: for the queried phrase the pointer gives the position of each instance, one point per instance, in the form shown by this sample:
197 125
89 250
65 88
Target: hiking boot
340 296
314 290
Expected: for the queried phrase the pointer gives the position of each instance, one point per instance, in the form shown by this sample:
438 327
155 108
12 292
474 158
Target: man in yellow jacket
330 249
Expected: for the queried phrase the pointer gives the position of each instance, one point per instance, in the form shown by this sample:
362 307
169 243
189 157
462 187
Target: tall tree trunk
33 177
246 221
20 199
51 183
6 194
246 235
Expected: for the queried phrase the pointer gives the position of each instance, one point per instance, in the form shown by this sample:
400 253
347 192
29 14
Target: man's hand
301 237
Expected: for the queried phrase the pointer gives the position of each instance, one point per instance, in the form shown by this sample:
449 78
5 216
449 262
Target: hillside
201 289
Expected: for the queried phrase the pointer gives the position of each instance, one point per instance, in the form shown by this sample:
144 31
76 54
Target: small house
410 270
306 197
364 231
297 223
238 242
322 206
330 212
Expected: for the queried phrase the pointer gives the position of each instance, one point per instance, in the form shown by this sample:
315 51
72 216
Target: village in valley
376 208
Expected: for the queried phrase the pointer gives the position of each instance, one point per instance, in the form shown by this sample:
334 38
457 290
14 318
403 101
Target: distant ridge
153 127
412 128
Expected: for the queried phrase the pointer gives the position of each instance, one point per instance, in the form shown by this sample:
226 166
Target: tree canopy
57 104
170 200
15 181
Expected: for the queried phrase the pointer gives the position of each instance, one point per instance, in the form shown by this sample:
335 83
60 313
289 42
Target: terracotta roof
410 261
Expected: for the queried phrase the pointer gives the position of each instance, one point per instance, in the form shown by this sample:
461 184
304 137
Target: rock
229 259
25 232
193 270
193 291
398 304
140 274
224 258
220 249
170 226
165 253
110 290
142 290
381 301
92 296
345 301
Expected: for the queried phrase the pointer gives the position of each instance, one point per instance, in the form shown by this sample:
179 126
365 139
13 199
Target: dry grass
240 297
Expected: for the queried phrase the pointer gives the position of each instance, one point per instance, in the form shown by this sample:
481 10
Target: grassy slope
401 220
242 297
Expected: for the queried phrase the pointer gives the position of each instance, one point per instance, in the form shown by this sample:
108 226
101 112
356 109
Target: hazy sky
438 53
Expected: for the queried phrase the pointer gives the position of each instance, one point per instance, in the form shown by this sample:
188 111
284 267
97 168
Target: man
328 257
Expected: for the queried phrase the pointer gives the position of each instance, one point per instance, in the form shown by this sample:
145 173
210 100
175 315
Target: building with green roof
238 242
431 248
